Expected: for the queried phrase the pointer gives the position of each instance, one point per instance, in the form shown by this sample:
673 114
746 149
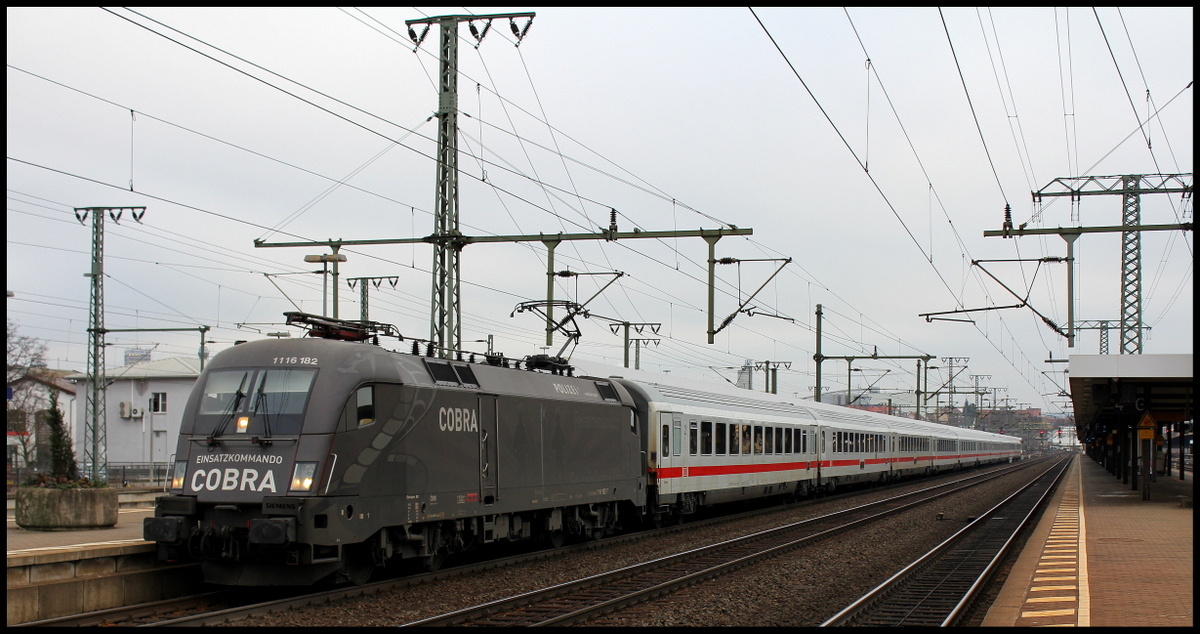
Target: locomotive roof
353 363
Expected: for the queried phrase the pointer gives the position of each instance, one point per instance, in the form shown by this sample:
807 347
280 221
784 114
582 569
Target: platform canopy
1110 390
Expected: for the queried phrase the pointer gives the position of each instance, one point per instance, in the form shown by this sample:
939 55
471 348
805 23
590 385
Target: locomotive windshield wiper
260 398
237 399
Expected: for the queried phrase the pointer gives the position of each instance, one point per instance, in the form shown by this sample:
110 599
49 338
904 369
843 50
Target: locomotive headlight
177 476
303 476
243 424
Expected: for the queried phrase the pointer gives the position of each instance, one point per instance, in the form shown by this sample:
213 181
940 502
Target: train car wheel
556 539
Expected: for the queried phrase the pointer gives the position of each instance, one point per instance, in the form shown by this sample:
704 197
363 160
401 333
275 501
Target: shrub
64 473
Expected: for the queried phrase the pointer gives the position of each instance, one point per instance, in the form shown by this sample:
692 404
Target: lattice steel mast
95 441
1130 187
446 306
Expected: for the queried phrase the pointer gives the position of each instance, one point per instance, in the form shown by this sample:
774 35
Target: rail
939 587
579 600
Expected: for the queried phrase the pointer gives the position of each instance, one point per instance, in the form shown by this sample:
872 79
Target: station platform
135 506
1101 556
60 573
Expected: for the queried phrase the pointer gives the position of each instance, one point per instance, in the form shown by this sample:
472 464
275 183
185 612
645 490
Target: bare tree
26 359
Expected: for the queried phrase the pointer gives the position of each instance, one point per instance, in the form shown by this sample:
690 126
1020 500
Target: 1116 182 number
295 360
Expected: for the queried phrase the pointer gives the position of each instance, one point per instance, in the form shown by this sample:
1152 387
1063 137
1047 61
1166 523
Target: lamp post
325 259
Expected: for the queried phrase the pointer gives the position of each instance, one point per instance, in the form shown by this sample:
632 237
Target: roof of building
1109 389
49 378
168 368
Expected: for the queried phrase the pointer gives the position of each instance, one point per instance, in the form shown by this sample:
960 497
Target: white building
144 405
32 399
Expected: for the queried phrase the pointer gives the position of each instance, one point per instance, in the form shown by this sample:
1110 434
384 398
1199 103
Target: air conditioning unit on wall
136 412
125 409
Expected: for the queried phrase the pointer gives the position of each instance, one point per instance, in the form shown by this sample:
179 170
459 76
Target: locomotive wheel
434 562
358 567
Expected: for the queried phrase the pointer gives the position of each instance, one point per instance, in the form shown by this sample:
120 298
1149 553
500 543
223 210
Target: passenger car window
706 440
693 438
721 438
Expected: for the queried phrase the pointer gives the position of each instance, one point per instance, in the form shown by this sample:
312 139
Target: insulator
416 348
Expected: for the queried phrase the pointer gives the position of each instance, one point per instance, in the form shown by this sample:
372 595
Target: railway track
231 605
938 588
583 599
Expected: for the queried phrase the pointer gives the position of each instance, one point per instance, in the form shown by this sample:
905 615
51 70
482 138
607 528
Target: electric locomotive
300 460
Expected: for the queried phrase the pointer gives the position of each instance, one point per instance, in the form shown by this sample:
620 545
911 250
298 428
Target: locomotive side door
488 442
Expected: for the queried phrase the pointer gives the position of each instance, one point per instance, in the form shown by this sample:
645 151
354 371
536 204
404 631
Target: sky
872 147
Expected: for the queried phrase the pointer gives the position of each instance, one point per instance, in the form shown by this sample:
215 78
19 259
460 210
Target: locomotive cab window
270 401
365 405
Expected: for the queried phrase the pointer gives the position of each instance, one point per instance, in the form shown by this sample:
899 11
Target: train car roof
663 388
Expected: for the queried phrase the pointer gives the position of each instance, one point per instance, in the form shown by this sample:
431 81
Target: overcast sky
879 184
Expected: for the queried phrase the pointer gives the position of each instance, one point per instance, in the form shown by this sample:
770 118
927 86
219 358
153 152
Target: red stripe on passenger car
731 469
665 473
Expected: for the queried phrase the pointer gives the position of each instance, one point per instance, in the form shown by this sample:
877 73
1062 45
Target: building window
158 402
